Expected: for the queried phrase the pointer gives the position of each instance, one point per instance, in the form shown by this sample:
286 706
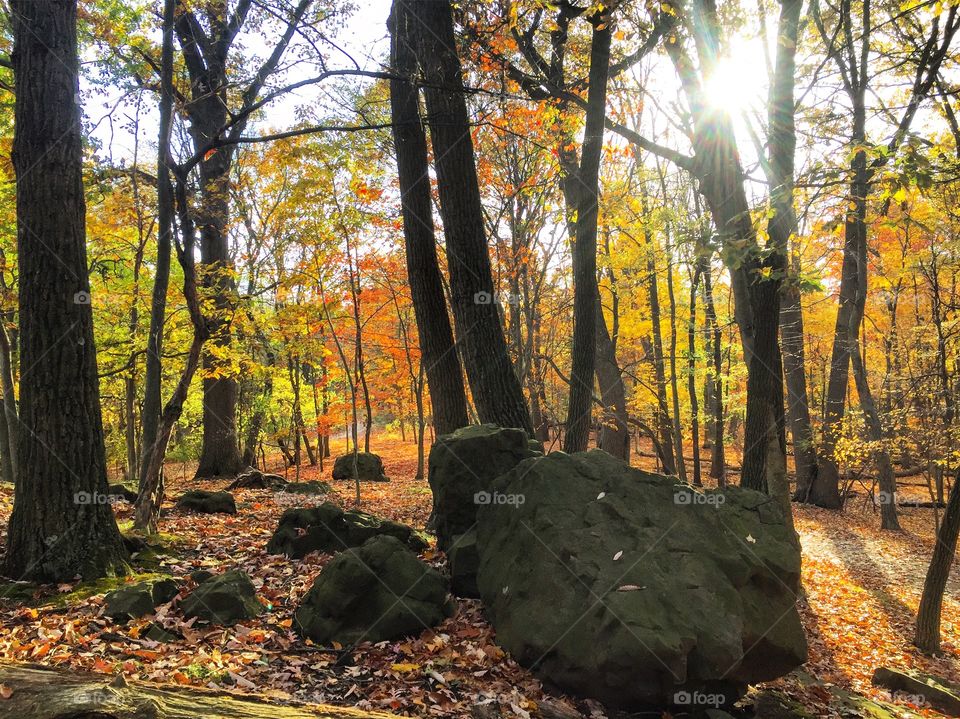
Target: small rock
138 600
328 528
378 592
252 478
203 502
369 467
122 491
224 599
307 488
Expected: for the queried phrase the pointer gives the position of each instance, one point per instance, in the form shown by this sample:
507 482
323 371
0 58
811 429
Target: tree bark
438 354
496 390
43 693
62 525
927 635
587 180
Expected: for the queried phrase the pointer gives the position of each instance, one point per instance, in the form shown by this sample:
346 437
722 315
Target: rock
464 560
369 467
224 599
199 500
462 468
200 575
328 528
377 592
253 478
770 704
627 587
122 491
921 689
138 600
157 633
307 488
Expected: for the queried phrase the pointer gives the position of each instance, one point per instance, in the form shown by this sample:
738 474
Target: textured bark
794 369
615 432
438 355
43 693
61 524
495 388
587 178
10 412
927 635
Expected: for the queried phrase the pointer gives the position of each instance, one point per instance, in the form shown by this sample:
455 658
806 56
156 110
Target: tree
205 55
849 45
496 389
61 524
927 635
584 186
444 374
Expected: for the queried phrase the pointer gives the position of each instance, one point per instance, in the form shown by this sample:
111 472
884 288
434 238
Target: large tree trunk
585 318
927 635
62 525
663 424
495 387
43 693
438 356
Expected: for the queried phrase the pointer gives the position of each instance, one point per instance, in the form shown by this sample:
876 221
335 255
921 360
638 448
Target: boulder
920 689
462 467
253 478
377 592
627 587
463 559
224 599
329 529
369 467
138 600
312 487
199 500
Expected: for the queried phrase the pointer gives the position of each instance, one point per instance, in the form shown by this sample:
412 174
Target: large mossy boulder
312 487
377 592
224 599
462 468
625 586
204 502
138 600
369 467
329 529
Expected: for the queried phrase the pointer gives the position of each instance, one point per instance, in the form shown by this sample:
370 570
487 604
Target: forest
487 359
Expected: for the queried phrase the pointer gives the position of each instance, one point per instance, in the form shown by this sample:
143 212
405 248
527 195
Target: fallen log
35 692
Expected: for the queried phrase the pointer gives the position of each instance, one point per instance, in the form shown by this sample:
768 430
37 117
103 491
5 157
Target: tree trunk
614 432
496 390
10 413
663 424
718 464
438 355
62 525
927 635
794 367
43 693
587 178
692 377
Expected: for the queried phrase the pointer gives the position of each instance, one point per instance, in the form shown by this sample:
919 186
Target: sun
733 83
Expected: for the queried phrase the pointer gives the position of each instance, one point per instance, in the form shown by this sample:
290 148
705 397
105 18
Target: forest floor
861 587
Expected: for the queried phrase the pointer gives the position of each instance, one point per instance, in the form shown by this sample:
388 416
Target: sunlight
733 84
